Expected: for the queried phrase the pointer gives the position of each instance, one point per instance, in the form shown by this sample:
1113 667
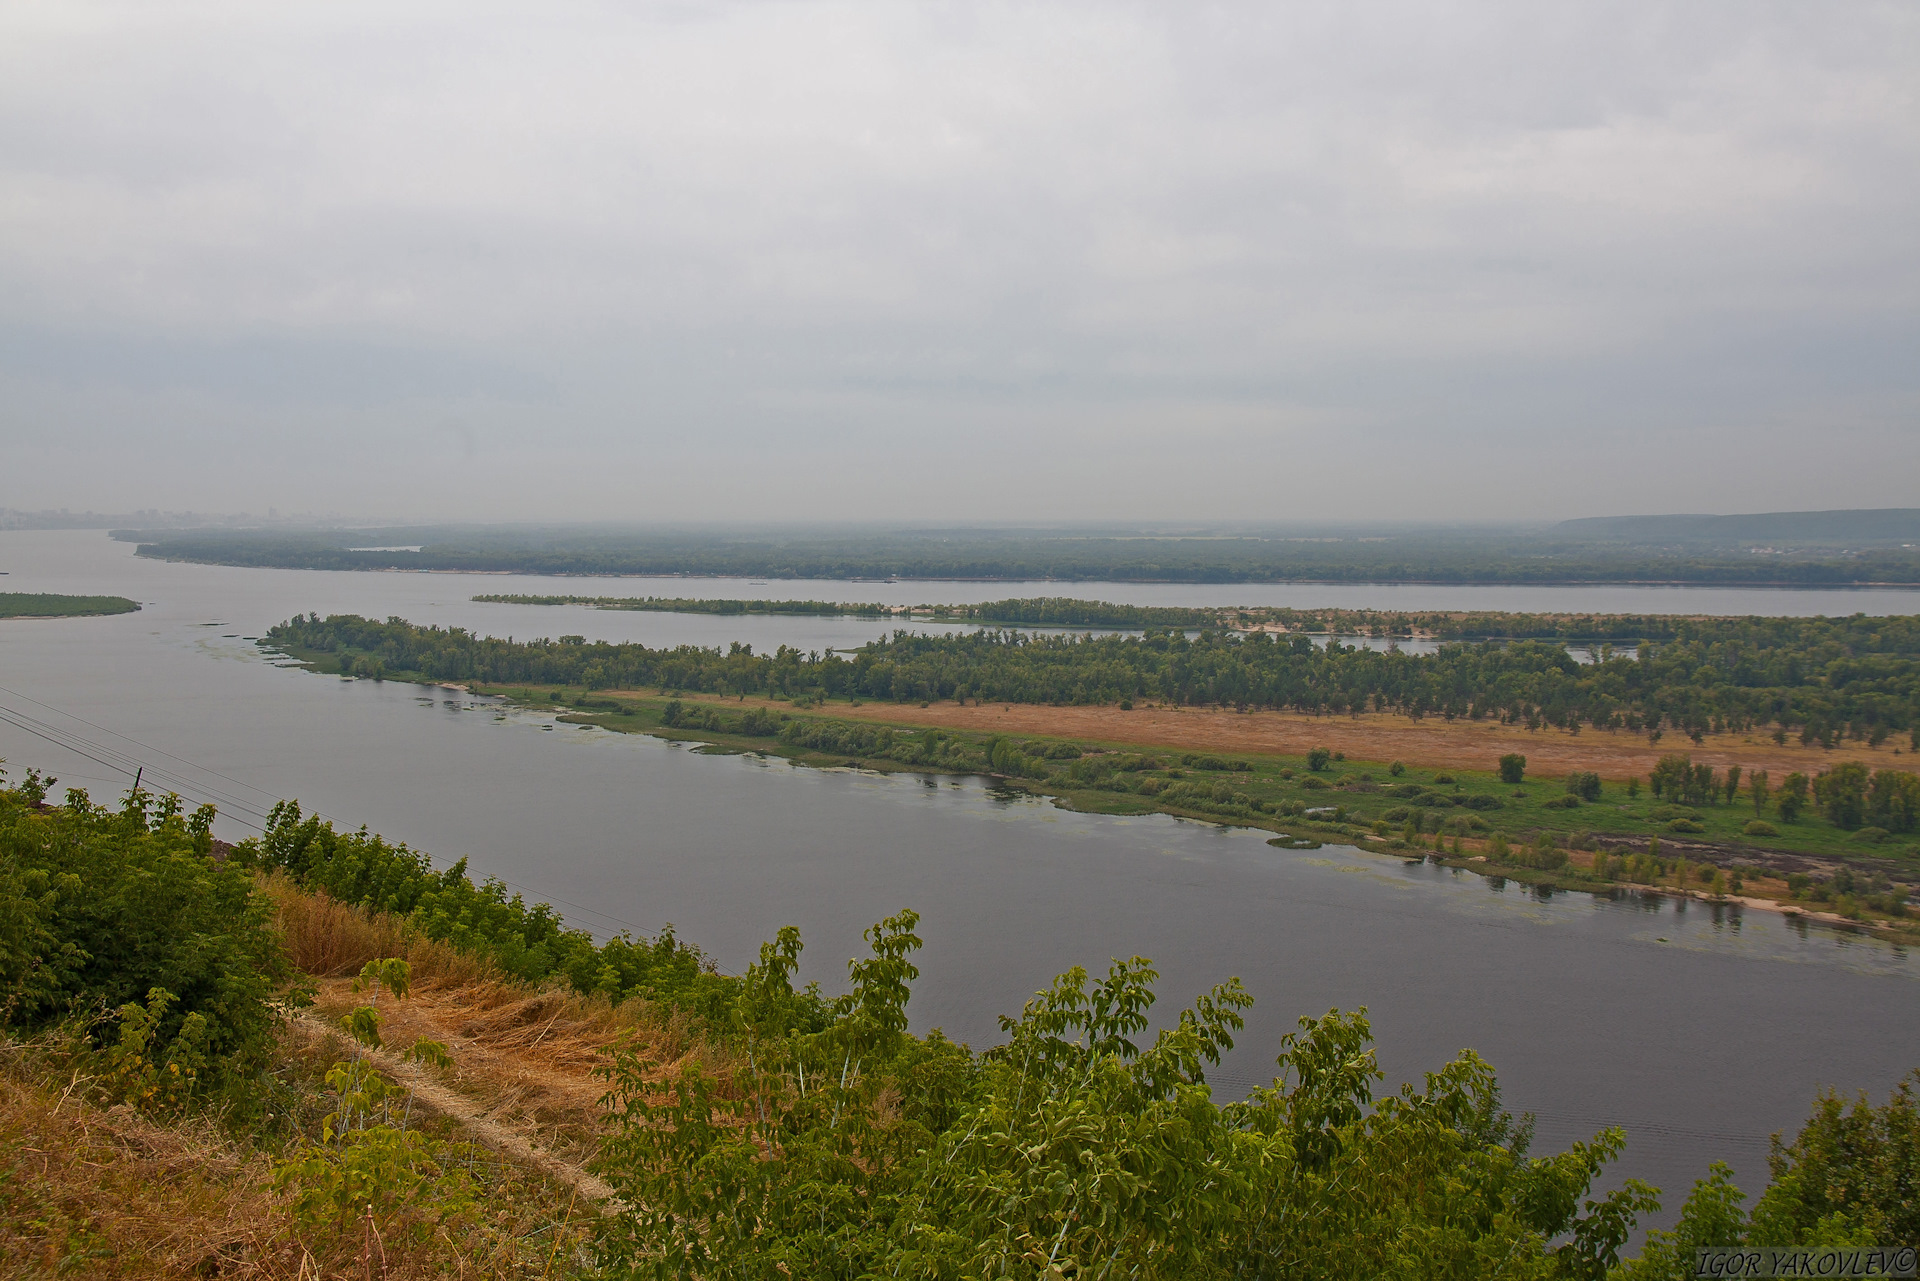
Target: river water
1700 1030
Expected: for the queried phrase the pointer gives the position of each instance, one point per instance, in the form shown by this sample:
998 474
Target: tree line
1826 680
708 605
976 555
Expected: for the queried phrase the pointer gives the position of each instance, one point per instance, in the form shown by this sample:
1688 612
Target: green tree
1841 794
1757 788
1893 800
1513 767
1317 759
1793 796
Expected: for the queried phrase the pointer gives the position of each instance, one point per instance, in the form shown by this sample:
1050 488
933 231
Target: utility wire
123 762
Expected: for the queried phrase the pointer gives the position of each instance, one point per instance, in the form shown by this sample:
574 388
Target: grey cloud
1452 235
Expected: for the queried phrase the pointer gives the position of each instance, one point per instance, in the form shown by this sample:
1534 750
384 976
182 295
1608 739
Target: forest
1424 556
1821 680
1065 611
148 989
690 605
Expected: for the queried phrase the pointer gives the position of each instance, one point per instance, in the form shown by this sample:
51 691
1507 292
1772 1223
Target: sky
945 262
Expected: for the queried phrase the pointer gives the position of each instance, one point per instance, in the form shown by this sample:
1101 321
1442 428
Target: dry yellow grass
94 1191
1432 742
107 1193
326 939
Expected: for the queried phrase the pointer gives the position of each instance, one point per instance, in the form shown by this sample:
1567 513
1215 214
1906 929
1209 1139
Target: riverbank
1532 837
1578 814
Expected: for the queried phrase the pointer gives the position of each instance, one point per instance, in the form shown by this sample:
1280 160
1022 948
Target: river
1701 1030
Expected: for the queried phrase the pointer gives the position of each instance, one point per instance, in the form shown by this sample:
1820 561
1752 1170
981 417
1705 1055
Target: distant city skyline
1048 262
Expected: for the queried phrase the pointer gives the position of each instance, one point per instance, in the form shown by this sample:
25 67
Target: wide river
1699 1030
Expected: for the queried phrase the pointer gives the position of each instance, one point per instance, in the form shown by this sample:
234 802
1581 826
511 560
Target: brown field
1432 743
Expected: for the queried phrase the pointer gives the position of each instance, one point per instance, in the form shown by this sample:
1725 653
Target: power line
127 764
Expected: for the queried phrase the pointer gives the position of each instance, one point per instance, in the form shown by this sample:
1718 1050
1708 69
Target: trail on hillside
476 1118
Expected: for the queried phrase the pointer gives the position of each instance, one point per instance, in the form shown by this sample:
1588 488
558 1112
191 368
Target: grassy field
47 605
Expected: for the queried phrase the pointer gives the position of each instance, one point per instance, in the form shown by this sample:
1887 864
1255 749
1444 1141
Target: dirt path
477 1119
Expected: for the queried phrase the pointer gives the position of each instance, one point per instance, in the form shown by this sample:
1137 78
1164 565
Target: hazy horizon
1475 264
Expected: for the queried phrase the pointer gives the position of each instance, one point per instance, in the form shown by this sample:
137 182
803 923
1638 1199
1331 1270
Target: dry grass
87 1191
327 938
1432 742
524 1054
94 1191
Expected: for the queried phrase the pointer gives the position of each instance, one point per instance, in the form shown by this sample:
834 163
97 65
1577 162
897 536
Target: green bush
1513 767
124 918
528 942
1760 827
1075 1149
1584 784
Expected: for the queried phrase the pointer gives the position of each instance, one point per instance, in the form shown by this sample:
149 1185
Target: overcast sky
631 261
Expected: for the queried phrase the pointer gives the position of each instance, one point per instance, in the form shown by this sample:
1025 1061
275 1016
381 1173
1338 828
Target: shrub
1513 767
123 917
1870 835
1396 769
1760 827
1317 759
1686 825
1584 784
1483 802
1443 780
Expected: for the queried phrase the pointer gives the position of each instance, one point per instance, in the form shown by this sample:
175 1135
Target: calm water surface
1700 1030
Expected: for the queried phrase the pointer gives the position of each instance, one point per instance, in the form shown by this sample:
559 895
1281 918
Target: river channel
1700 1030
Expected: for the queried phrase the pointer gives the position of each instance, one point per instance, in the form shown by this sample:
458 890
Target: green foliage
1317 758
1846 1179
1513 767
122 919
1841 794
363 1025
528 942
401 1178
1793 796
390 972
1584 784
1075 1148
1829 678
1713 1215
1850 1170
